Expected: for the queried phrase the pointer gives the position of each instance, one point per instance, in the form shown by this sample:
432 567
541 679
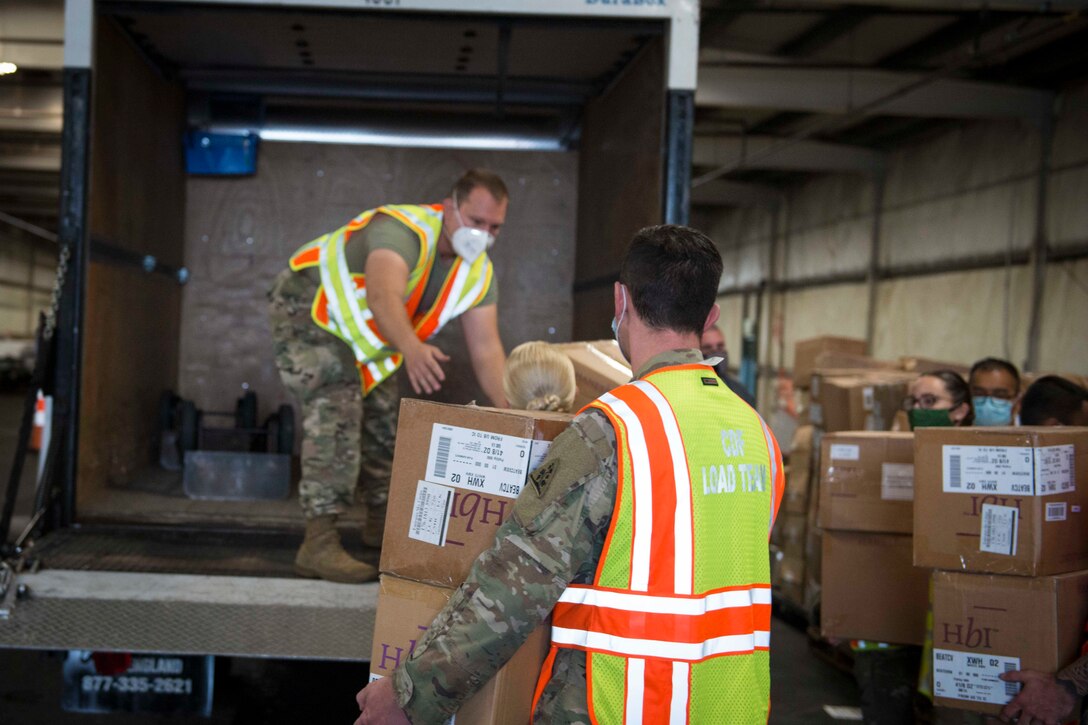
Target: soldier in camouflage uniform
555 537
415 280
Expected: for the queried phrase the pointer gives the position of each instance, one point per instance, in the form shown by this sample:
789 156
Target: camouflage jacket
554 538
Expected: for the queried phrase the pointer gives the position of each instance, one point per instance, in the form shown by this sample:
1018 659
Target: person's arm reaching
386 281
481 327
1046 698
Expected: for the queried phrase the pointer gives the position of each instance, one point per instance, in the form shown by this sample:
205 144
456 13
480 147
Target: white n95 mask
470 243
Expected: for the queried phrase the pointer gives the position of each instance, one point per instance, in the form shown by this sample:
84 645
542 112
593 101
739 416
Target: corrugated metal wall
26 280
957 225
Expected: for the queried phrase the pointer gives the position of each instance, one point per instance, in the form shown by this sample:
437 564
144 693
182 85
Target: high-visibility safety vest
676 625
340 304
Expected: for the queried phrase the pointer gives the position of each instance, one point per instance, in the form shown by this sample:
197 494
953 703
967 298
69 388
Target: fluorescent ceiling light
379 138
7 68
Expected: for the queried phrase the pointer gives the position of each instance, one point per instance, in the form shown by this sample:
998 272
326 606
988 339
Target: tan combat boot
373 533
322 556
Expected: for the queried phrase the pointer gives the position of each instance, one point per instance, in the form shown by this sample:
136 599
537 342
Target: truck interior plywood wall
619 179
240 232
137 197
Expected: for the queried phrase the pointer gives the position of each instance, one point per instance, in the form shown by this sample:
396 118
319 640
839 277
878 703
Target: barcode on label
1012 689
442 457
955 472
1055 511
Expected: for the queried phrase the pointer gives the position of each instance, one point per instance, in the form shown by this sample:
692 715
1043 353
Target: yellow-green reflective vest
676 625
340 304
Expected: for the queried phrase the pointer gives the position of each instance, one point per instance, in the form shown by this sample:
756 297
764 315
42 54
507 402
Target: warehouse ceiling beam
768 152
830 28
47 159
1030 6
846 90
32 33
31 108
723 192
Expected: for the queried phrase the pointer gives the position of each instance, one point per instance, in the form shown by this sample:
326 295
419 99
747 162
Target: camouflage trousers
347 440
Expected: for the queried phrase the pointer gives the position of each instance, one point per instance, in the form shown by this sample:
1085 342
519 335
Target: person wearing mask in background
539 377
356 304
995 387
939 398
1052 400
712 344
693 575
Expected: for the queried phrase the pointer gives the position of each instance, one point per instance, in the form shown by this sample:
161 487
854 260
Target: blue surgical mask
992 411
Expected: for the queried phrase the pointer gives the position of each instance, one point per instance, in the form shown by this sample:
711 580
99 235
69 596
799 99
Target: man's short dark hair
672 274
479 177
990 364
1051 397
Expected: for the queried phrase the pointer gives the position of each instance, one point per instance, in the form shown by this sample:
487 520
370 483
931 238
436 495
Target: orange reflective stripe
368 379
306 258
426 326
545 675
663 500
725 622
779 479
321 308
657 692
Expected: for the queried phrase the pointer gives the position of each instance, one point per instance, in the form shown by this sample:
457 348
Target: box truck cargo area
217 138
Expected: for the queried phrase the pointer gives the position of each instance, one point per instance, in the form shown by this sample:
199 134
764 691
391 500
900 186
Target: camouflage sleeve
553 537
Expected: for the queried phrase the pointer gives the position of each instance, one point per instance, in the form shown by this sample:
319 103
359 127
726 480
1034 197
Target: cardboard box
835 359
789 533
867 401
788 578
921 365
867 482
456 472
799 472
1001 500
598 368
871 590
806 351
984 624
405 611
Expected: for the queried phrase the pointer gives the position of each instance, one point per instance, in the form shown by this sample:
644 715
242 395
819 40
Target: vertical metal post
679 122
73 235
1039 247
874 258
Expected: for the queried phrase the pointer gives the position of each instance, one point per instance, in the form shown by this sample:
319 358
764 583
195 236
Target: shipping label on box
1008 470
478 460
897 481
973 677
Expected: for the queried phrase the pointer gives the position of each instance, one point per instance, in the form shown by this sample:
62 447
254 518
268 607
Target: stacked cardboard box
790 529
805 353
456 473
1004 512
849 400
870 588
598 367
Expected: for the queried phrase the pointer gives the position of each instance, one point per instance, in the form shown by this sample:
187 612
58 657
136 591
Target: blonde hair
538 377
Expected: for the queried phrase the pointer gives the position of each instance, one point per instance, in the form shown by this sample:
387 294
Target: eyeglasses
926 401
